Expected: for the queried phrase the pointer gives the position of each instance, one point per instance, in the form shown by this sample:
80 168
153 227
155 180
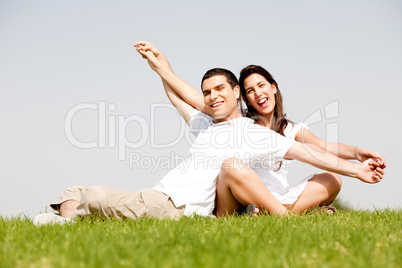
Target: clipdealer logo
112 129
112 132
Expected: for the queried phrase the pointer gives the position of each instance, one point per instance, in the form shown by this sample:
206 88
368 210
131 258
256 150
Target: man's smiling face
220 98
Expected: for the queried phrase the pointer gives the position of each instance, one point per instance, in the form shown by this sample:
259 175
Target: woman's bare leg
321 190
238 185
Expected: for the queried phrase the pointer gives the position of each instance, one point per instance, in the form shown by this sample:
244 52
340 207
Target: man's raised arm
181 106
158 62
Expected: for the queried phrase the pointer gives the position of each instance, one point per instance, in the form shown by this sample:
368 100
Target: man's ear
236 90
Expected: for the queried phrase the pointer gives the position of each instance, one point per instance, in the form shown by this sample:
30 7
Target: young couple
234 161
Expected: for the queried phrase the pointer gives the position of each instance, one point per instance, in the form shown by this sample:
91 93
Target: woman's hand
370 171
364 154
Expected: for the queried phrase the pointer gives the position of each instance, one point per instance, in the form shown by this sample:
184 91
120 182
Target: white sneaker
49 218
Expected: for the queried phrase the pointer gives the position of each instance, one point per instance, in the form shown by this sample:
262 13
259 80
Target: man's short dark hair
230 77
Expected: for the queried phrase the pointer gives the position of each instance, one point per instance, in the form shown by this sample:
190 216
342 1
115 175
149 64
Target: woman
262 95
264 103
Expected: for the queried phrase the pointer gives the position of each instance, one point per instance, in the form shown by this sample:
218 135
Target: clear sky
55 55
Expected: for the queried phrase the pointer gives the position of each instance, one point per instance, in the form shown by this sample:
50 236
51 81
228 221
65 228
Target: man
322 191
216 150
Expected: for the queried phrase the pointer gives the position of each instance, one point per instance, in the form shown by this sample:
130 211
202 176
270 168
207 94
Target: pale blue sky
55 55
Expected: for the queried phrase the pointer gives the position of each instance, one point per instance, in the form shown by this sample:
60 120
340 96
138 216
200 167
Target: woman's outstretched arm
343 151
369 171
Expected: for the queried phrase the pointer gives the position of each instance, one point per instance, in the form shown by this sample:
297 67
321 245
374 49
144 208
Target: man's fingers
376 165
380 170
141 43
146 53
380 160
383 162
373 164
151 48
375 178
138 48
142 52
150 54
147 46
378 174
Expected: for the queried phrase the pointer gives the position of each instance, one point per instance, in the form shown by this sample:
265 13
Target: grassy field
346 239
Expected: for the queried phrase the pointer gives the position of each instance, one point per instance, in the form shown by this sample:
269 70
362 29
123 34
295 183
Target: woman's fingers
378 175
376 179
373 163
380 170
380 160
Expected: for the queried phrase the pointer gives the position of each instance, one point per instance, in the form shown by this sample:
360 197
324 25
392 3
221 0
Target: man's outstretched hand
363 154
371 171
156 59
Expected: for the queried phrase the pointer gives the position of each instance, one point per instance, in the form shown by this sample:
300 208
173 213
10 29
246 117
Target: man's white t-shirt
193 182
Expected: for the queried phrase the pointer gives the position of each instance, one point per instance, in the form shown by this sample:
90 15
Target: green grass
346 239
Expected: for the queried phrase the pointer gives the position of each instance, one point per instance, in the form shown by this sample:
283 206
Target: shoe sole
250 210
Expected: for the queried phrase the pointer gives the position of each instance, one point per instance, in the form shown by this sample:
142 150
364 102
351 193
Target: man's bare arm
160 65
181 106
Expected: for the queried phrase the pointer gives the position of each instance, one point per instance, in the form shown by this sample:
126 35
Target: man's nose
214 94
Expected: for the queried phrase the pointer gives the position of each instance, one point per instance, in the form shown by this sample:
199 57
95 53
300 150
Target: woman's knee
336 180
233 168
232 163
332 180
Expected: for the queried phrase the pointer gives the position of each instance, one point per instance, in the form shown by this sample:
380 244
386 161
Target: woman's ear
274 88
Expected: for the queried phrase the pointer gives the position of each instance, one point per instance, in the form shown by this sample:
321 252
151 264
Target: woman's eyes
252 90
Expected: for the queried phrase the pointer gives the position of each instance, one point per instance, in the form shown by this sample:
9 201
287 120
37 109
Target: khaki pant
113 203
